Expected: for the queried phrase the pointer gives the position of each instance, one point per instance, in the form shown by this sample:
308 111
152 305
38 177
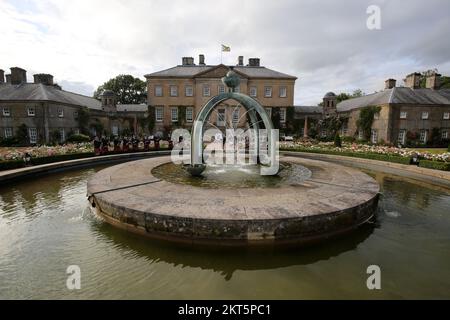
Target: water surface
45 227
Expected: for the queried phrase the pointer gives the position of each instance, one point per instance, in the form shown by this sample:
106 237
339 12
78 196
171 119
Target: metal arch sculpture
250 104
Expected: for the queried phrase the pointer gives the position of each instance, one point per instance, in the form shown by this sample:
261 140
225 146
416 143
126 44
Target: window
283 92
75 115
374 136
268 92
189 114
159 114
76 131
446 115
221 89
323 133
424 115
344 129
237 89
376 116
444 134
206 91
236 115
253 92
423 136
6 112
32 134
401 137
360 135
173 91
403 114
221 117
282 115
269 112
62 136
31 112
115 130
158 91
189 91
174 114
8 133
60 112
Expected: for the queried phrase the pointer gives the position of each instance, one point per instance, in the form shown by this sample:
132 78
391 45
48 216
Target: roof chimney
187 61
2 76
433 81
8 78
390 83
253 62
18 75
413 80
201 59
43 78
240 60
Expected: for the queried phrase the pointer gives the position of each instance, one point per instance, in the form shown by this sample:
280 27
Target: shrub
9 142
61 157
78 138
337 141
11 164
437 165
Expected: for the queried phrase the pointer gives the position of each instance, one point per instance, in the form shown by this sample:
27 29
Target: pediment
217 72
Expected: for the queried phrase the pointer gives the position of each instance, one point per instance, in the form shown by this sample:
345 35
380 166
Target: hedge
15 164
371 156
437 165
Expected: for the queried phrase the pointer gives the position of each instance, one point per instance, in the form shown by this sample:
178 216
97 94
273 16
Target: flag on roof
225 48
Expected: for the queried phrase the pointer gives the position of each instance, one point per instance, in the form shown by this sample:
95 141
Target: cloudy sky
326 44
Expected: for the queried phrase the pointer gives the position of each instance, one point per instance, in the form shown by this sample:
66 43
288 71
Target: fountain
228 204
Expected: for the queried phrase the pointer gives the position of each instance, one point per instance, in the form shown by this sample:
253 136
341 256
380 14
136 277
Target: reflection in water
227 260
45 227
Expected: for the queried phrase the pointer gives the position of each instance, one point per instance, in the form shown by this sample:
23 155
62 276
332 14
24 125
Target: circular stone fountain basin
308 201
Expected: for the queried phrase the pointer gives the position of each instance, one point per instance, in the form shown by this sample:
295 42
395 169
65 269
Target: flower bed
440 161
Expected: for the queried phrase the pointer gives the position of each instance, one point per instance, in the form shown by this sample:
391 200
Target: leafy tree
444 81
83 120
345 96
128 89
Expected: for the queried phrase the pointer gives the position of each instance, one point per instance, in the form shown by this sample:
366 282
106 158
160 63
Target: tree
345 96
83 120
128 89
444 81
365 121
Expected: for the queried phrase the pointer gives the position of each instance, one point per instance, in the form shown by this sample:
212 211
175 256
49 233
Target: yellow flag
225 48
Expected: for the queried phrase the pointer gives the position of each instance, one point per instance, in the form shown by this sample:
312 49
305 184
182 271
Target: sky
325 43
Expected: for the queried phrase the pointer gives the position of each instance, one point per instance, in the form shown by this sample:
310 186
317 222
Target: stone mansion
177 94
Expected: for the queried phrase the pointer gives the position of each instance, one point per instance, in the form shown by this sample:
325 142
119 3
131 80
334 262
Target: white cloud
324 43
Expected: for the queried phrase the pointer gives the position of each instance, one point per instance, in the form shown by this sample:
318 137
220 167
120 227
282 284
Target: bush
337 141
371 156
437 165
11 164
9 142
78 138
61 157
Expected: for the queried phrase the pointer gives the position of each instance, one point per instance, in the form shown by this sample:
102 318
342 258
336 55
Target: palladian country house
48 113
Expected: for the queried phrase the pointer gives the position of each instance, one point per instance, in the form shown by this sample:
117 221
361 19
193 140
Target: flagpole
221 54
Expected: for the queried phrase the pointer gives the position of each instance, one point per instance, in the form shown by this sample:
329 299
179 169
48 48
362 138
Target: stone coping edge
437 177
16 174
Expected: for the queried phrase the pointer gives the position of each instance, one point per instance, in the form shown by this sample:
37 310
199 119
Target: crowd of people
133 143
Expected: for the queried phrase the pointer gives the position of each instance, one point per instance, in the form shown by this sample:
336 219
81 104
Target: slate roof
191 71
132 107
41 92
398 95
308 109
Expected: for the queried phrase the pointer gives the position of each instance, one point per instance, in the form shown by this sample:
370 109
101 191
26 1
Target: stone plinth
334 200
